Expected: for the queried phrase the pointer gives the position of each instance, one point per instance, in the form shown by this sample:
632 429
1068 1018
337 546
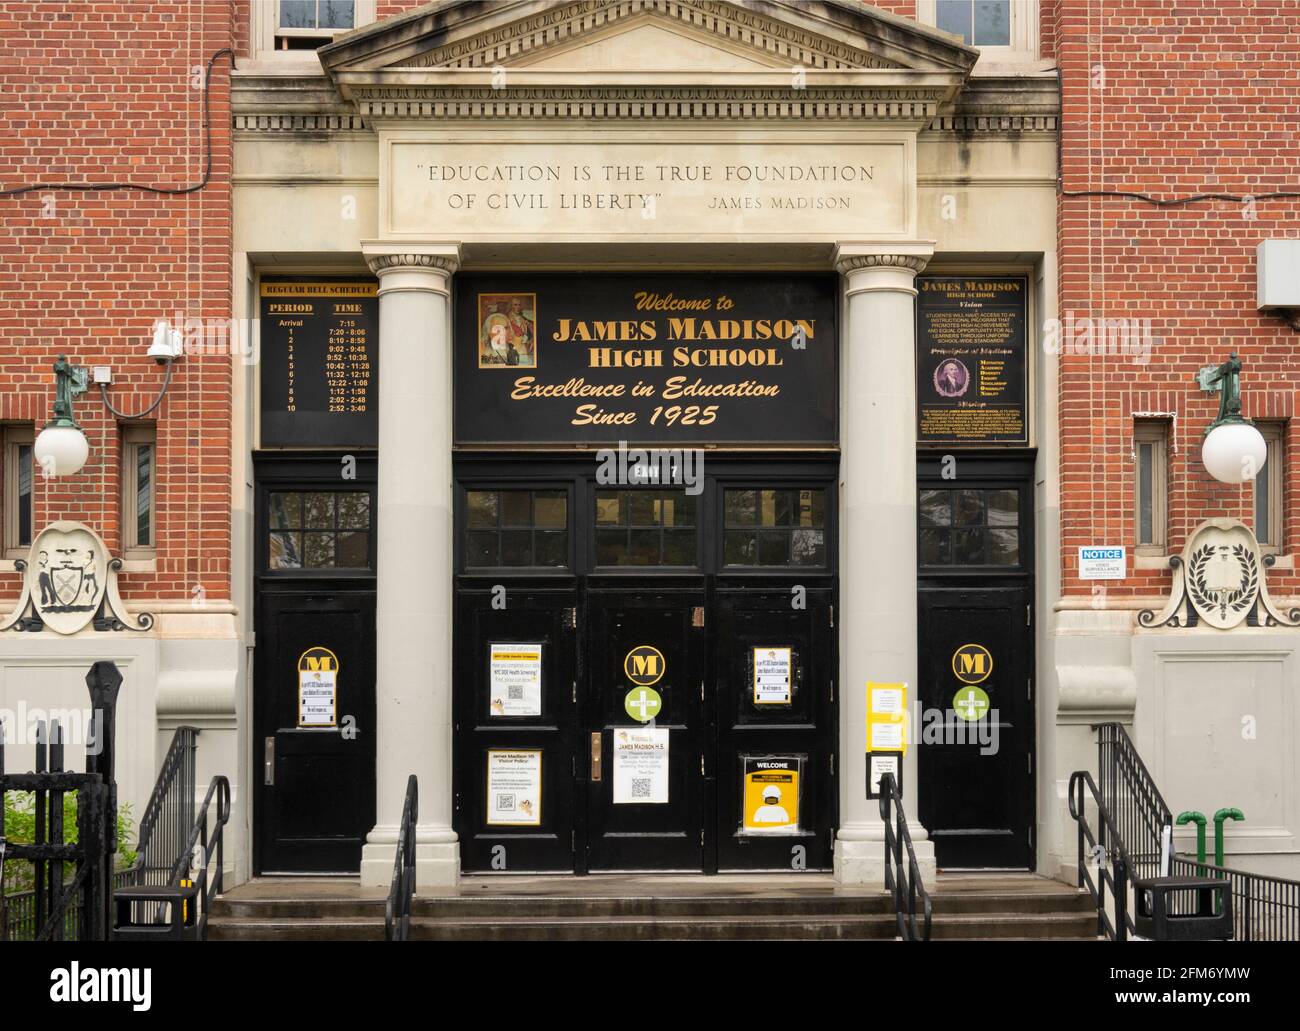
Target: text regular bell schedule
319 351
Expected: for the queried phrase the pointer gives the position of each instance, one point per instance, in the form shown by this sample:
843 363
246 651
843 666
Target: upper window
969 527
19 488
516 528
1003 29
645 528
774 528
319 530
1268 488
1150 459
283 27
139 490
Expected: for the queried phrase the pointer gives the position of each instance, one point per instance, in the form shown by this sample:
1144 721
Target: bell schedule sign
645 358
320 362
972 359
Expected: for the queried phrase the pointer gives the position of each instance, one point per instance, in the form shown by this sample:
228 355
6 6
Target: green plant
20 828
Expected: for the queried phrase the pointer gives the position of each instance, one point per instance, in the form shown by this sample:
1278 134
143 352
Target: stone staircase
644 908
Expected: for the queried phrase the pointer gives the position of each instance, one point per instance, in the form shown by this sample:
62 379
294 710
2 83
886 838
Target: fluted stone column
877 530
413 516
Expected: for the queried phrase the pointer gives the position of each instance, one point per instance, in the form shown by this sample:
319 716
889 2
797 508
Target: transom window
774 527
516 528
319 530
966 527
645 528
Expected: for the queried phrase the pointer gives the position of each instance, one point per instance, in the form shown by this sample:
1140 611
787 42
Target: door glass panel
645 528
792 524
305 525
516 528
968 527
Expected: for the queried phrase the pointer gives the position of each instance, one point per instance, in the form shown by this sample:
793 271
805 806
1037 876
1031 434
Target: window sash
139 511
1268 515
1150 493
1024 29
19 498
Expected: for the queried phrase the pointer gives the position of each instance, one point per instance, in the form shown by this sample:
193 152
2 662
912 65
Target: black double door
620 791
976 664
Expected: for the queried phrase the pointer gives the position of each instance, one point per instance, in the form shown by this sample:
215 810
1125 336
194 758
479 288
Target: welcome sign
600 358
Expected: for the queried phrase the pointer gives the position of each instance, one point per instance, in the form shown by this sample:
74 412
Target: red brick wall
1170 100
101 93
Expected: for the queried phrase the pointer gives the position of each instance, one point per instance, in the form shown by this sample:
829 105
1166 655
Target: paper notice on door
886 700
515 680
772 673
640 765
886 737
514 787
318 683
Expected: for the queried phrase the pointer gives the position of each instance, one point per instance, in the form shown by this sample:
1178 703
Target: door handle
268 761
596 737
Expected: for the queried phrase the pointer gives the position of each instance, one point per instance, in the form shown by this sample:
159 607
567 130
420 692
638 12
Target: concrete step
766 928
1003 926
1066 900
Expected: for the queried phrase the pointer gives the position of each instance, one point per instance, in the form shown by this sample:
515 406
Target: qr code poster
515 680
514 787
640 765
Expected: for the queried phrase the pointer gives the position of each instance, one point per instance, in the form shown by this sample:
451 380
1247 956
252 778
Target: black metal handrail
1133 801
168 817
1263 908
904 882
209 877
1119 876
397 913
1133 827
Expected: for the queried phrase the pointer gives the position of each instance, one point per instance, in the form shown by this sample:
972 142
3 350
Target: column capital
901 255
385 257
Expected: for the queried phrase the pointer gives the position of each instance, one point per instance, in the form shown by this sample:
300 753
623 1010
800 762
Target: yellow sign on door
771 794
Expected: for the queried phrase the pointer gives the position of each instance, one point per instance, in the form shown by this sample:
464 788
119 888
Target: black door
975 668
645 729
316 769
516 732
314 662
775 683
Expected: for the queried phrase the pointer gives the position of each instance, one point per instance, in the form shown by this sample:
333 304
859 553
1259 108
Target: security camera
166 346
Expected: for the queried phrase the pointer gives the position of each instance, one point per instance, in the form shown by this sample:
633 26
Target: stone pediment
703 37
635 59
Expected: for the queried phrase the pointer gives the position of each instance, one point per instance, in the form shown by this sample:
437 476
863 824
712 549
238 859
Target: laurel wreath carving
1235 601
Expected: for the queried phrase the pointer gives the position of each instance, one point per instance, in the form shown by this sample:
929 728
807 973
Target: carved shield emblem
1223 573
67 574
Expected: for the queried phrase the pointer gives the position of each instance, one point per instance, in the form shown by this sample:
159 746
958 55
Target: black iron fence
397 913
903 879
1263 908
68 873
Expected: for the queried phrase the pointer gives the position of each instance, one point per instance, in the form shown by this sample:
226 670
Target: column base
861 861
437 864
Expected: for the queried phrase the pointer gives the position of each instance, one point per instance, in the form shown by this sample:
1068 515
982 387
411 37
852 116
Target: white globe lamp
61 450
1234 452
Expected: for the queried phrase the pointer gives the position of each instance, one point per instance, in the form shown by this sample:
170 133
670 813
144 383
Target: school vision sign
598 358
